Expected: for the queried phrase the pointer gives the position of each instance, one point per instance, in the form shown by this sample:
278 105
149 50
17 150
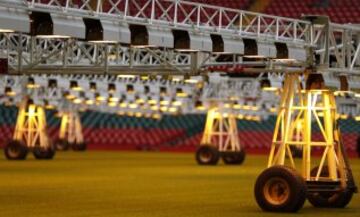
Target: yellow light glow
6 31
100 98
70 97
177 103
254 108
270 89
163 108
176 79
112 57
32 86
77 88
248 117
140 100
285 60
133 106
173 109
112 104
237 106
121 113
240 116
144 78
126 76
89 102
123 105
52 36
49 107
273 109
164 102
342 92
343 116
357 118
154 108
152 102
254 56
256 118
138 114
182 94
156 116
201 108
31 111
77 101
191 81
10 93
247 107
113 99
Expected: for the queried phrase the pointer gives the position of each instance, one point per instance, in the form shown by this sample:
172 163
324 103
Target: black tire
329 199
280 189
15 150
234 158
44 153
79 146
61 145
207 155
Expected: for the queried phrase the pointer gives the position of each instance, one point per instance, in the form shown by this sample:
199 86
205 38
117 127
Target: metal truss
30 55
221 130
71 128
340 42
31 126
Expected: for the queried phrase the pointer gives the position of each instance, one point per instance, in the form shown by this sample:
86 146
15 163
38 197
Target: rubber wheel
207 155
44 153
79 146
15 150
280 189
234 158
329 199
61 145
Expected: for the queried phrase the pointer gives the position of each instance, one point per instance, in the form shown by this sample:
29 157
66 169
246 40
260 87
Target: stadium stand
184 132
171 133
339 11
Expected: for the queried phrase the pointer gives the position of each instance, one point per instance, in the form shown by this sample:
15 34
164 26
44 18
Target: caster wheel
234 158
329 199
79 146
207 155
280 189
15 150
61 145
44 153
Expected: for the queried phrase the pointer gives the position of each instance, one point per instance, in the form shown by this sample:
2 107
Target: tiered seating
106 131
339 11
236 4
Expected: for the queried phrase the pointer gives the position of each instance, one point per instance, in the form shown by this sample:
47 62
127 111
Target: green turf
137 184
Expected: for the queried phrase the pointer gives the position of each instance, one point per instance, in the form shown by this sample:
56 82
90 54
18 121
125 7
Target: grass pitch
137 184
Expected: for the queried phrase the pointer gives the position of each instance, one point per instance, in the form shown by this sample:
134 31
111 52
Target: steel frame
71 128
221 130
31 126
324 38
299 105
